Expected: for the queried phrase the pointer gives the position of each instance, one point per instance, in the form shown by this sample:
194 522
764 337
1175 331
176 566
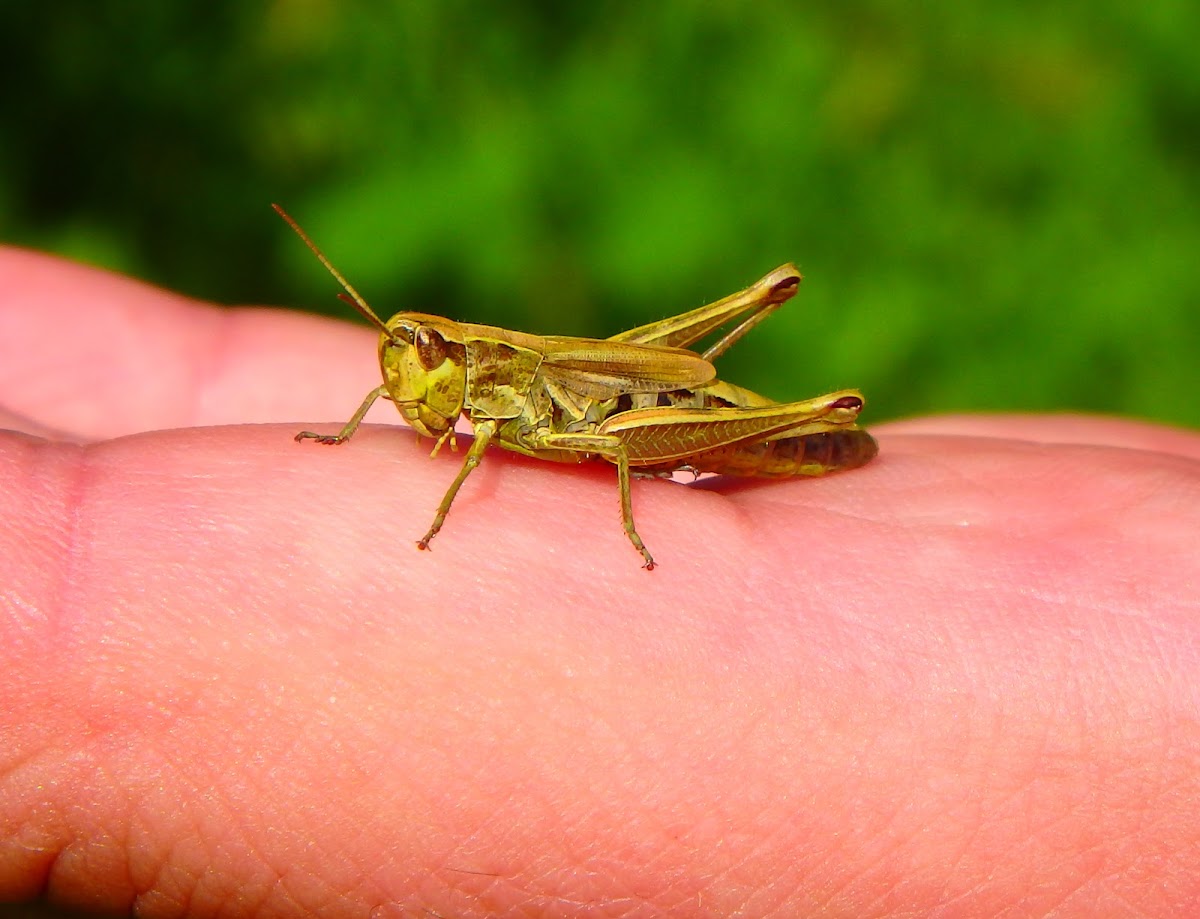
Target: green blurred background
995 204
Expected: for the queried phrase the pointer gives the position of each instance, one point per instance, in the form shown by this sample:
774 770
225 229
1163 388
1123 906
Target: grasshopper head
423 358
425 370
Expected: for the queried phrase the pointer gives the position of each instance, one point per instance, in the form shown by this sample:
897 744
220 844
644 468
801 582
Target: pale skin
962 678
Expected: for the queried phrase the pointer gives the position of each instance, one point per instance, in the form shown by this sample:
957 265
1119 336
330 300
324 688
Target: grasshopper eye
850 402
431 348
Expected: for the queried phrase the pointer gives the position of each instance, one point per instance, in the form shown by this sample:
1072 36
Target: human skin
961 681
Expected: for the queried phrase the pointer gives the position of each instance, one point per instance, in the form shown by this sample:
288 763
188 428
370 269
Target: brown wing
606 369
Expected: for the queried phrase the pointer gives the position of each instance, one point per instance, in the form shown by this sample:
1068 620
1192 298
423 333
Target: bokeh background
996 204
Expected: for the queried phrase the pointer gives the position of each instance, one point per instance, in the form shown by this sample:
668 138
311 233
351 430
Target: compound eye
431 348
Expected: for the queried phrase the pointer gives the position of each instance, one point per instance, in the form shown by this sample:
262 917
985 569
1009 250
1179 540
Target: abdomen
807 454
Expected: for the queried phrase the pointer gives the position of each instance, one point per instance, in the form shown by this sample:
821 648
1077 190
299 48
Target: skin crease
961 681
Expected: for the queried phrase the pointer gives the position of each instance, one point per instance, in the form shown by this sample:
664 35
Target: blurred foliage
995 203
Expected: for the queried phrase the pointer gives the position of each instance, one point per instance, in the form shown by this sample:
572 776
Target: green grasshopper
639 400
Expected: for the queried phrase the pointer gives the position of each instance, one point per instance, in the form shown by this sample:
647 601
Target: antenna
355 298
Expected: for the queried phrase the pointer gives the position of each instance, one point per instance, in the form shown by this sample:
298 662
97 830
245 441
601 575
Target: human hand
962 679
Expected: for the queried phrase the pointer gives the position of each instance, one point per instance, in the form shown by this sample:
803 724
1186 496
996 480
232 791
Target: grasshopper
639 400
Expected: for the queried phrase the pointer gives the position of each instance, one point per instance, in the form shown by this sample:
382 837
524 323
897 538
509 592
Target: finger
97 355
1059 428
220 646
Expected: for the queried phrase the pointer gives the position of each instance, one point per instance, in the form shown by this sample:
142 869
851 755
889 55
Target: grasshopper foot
319 438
